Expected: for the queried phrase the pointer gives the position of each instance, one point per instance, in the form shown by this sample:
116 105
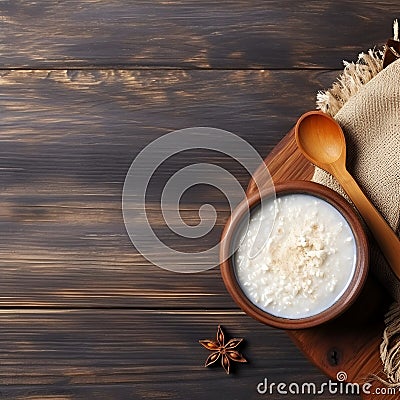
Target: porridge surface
304 264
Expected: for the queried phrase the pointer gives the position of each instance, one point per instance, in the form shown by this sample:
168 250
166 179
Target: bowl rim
362 254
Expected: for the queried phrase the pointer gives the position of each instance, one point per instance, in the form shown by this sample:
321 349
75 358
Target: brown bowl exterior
362 255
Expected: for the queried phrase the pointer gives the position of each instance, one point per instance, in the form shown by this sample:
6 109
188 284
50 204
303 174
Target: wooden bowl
241 215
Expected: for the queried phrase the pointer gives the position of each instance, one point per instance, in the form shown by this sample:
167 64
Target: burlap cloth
369 114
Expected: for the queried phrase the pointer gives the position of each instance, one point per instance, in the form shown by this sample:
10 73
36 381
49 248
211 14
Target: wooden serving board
351 342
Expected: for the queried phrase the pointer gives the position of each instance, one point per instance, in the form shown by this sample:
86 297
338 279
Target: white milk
307 262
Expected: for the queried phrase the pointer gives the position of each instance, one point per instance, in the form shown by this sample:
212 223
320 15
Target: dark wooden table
84 86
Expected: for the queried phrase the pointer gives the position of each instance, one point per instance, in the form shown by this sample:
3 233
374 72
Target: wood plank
68 138
190 34
119 354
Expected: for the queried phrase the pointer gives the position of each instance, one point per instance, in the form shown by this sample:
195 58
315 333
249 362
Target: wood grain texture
120 354
84 86
190 34
68 138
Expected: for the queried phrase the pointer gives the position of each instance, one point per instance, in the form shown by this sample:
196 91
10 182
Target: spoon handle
385 237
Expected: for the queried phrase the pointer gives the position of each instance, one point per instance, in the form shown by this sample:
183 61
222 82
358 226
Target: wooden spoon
321 140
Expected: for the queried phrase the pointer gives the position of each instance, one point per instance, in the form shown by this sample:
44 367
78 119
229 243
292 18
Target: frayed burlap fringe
390 347
354 76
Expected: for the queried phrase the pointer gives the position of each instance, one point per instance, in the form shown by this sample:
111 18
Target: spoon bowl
321 140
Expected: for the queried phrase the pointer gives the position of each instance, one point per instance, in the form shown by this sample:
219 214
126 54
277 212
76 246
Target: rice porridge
299 264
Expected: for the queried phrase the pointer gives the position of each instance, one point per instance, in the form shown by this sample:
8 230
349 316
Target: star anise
226 352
